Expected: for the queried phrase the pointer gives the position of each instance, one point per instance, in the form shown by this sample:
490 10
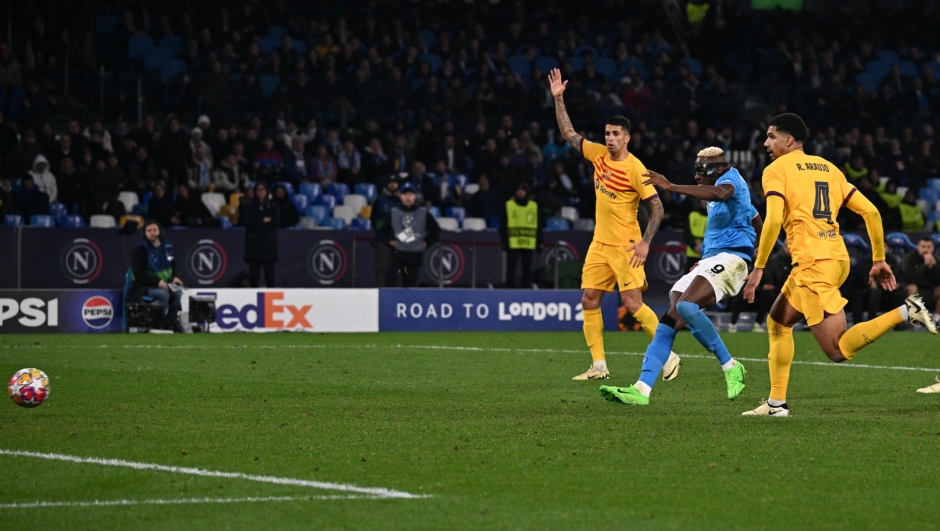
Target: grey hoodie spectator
44 179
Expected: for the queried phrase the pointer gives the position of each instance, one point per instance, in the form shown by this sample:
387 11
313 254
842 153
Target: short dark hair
790 124
622 121
926 239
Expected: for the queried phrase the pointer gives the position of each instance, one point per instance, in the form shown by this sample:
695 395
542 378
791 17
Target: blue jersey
729 229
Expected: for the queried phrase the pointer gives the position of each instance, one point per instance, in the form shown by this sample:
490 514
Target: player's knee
589 303
632 306
834 353
686 309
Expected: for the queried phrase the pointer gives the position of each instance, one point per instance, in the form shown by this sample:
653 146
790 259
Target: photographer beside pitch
154 270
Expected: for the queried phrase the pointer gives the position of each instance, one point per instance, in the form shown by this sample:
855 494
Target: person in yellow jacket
521 235
695 234
912 216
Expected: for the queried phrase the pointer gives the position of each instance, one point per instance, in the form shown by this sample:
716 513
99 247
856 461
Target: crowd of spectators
446 93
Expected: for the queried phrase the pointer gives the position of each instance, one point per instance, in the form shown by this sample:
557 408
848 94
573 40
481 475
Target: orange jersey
814 190
618 186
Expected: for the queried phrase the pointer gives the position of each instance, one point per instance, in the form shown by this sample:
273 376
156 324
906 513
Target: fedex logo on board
268 310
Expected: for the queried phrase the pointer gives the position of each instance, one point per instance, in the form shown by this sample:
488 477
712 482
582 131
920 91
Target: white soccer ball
29 387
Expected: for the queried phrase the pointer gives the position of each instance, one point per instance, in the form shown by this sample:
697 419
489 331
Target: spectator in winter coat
229 176
285 206
298 164
261 218
45 181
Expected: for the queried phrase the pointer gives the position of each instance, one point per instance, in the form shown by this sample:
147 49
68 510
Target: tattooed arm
561 113
642 248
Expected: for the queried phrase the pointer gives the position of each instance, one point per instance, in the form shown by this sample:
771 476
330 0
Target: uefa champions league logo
82 261
207 262
327 262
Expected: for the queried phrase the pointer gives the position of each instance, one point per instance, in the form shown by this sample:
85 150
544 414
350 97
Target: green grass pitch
487 427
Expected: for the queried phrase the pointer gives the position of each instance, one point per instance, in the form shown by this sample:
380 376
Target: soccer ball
29 387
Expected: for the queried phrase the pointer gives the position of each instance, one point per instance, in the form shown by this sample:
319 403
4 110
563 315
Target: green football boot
624 395
734 377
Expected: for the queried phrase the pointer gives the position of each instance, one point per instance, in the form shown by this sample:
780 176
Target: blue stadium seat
429 38
461 180
338 190
436 212
105 22
277 32
361 224
459 213
156 57
908 69
854 240
694 66
936 241
72 222
299 47
520 66
145 200
555 224
269 84
57 211
878 69
933 65
577 64
586 49
301 201
433 61
416 84
171 70
140 210
225 222
138 45
888 56
606 67
899 244
174 43
328 201
317 212
336 223
12 220
492 222
929 194
934 183
368 190
268 45
41 220
311 190
288 186
546 64
868 81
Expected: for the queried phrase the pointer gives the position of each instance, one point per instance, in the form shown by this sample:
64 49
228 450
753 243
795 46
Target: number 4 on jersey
821 208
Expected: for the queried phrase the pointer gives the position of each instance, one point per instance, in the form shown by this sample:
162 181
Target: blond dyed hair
711 152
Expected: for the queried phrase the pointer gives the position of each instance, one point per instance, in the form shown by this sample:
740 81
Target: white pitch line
472 349
345 487
180 501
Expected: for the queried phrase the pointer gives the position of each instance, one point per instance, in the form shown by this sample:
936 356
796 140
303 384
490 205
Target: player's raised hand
656 179
881 272
640 250
557 86
753 280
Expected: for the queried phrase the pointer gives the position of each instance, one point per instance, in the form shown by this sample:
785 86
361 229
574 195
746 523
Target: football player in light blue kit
732 227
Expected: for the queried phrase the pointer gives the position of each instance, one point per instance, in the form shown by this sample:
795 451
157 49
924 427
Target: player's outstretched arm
561 113
880 270
720 193
642 248
768 238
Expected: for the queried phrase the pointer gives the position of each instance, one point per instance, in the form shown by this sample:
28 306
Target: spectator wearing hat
921 274
519 229
196 141
44 179
409 230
